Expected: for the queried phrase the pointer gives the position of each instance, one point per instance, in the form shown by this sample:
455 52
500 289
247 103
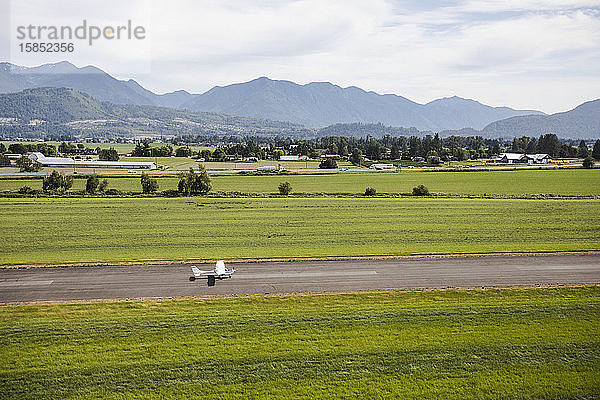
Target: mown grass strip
64 230
560 182
508 343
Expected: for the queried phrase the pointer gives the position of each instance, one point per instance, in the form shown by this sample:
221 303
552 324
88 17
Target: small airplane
220 272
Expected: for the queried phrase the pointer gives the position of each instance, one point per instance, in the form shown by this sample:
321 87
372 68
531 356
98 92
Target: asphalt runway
146 281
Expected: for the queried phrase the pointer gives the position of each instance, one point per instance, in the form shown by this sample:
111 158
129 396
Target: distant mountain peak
313 104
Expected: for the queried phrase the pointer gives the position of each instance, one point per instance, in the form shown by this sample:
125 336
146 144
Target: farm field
569 182
184 163
70 230
455 344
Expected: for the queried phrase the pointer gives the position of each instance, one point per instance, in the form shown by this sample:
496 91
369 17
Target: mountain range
314 105
49 111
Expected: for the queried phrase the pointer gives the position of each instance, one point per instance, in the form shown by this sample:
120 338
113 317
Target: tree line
429 147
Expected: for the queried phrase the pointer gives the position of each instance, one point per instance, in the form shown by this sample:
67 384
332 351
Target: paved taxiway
117 282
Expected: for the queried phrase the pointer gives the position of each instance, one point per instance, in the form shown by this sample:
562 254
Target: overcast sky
524 54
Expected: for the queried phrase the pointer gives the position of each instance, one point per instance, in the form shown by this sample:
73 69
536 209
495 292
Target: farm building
537 158
293 158
66 162
513 158
381 166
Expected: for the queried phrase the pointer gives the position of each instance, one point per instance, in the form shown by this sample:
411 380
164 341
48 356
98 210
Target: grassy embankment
509 343
564 182
69 230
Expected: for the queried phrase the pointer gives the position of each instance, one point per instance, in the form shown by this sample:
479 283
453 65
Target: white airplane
220 272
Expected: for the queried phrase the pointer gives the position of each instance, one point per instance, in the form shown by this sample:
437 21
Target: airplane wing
198 273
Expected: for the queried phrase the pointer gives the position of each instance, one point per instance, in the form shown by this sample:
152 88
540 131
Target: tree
206 154
420 190
356 157
394 152
582 150
588 162
142 149
191 183
66 148
91 184
56 181
26 164
183 151
219 154
2 148
103 185
149 185
370 191
596 150
17 148
285 188
328 163
549 144
4 161
108 155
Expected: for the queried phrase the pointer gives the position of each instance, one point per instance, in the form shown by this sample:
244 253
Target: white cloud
515 53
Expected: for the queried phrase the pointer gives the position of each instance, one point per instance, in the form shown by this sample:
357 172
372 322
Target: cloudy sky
521 53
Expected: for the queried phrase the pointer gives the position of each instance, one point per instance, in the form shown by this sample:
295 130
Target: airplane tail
196 271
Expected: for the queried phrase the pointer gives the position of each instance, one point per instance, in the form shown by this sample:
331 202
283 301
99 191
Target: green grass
63 230
475 344
570 182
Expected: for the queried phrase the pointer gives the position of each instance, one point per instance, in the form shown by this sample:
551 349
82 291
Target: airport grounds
452 342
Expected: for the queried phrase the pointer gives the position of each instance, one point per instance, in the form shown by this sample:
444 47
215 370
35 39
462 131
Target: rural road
116 282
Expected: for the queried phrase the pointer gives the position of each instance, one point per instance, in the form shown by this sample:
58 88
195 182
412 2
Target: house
511 158
537 158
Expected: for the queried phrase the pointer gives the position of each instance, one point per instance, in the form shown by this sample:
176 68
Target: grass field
509 343
183 163
63 230
572 182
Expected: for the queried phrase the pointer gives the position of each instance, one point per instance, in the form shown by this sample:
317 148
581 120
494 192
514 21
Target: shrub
170 193
4 161
103 185
113 192
191 183
56 181
420 190
370 191
285 188
91 184
25 190
108 155
27 165
149 185
588 162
